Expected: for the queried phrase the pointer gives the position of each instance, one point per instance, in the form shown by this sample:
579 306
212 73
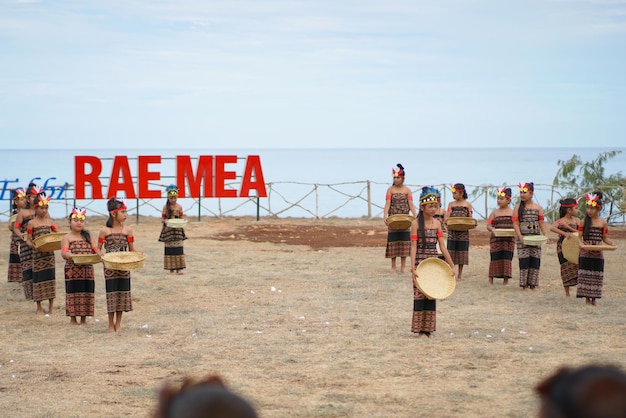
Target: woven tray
124 260
12 219
601 247
49 242
435 278
504 232
570 248
458 223
176 223
81 259
400 222
535 240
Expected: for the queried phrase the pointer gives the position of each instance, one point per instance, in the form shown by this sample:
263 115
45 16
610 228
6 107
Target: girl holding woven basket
458 241
528 220
398 201
566 226
174 257
426 232
501 248
114 237
24 216
44 280
592 232
79 278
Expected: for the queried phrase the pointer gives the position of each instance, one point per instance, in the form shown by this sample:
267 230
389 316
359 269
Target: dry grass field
304 323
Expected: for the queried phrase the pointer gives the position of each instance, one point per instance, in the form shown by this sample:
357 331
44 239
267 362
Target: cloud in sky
283 73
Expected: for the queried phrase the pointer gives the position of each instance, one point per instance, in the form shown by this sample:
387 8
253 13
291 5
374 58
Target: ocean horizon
311 182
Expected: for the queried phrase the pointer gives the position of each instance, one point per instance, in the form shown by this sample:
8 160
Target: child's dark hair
587 222
32 187
522 204
461 186
112 205
568 202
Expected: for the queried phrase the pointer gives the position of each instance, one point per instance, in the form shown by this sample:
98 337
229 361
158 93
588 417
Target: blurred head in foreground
207 398
586 392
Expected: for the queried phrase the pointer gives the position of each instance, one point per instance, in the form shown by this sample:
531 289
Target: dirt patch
325 236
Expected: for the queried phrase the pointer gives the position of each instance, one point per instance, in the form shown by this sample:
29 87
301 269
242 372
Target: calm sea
311 182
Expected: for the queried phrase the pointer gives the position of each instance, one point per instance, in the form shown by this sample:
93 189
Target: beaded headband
78 214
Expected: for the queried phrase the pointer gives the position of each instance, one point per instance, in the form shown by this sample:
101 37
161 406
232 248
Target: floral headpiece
42 200
505 192
457 187
78 214
593 200
429 195
123 207
19 193
171 190
399 172
526 187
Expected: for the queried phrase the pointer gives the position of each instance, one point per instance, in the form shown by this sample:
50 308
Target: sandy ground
303 318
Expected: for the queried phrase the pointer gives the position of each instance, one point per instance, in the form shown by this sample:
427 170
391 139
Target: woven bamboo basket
11 222
622 206
459 223
49 242
124 260
435 278
400 222
601 247
570 248
504 232
535 240
176 223
81 259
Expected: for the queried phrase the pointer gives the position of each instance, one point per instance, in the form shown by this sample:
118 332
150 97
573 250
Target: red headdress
505 192
593 200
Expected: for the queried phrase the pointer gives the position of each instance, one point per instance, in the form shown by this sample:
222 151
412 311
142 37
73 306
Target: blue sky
316 73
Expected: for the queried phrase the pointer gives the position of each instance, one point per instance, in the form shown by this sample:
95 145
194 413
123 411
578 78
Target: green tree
586 176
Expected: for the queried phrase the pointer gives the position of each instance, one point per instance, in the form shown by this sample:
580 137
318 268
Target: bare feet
73 320
506 281
179 272
491 280
111 329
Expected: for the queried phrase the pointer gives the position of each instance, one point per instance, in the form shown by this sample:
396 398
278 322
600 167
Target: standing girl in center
79 279
458 241
398 200
174 258
501 248
528 220
566 226
114 237
426 232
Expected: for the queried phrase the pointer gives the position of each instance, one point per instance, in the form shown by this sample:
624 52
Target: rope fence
358 199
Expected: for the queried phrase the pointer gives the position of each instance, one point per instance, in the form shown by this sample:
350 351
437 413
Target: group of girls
425 239
36 269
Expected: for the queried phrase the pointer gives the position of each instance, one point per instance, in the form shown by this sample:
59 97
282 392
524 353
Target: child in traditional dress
426 232
44 280
567 225
593 231
458 241
79 279
114 237
14 273
528 220
24 216
174 258
398 200
501 248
